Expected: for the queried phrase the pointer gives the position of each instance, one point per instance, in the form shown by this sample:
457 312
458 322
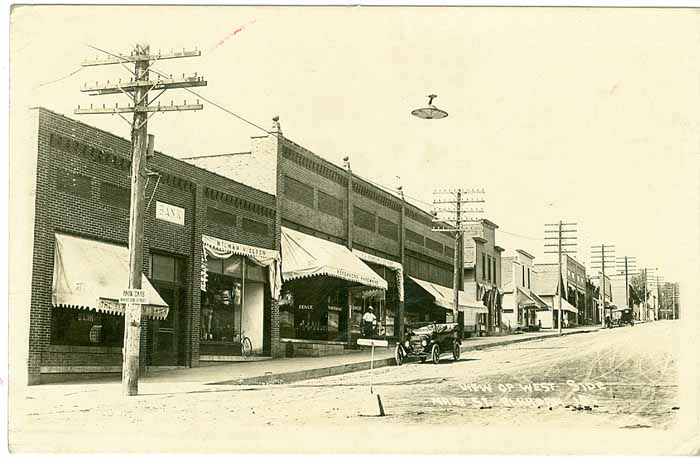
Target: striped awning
306 256
90 274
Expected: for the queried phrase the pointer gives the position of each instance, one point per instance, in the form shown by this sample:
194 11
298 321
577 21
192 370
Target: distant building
670 296
574 278
482 270
550 286
597 299
520 303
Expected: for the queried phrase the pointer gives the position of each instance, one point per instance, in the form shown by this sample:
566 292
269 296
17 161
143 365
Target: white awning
393 265
565 305
305 256
89 274
444 296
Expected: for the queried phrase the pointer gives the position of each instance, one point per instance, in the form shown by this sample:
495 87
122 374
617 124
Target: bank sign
170 213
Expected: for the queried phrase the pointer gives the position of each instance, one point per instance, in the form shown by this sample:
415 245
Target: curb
301 375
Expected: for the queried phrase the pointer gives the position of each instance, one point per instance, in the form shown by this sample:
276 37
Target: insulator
197 101
90 105
116 105
78 107
185 103
171 103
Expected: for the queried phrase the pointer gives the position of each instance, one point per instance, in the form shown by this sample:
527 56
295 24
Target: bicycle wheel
246 347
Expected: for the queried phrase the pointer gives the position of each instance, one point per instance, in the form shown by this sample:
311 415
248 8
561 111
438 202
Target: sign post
372 343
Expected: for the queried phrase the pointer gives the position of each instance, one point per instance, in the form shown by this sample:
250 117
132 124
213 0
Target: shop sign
306 306
357 309
133 296
170 213
335 308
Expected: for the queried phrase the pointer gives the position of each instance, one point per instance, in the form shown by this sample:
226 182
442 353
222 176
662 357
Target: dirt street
622 381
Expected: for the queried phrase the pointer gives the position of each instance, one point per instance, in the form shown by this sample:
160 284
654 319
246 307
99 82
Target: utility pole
137 89
450 217
561 245
626 266
602 257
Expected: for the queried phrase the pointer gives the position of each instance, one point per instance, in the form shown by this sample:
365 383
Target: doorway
167 336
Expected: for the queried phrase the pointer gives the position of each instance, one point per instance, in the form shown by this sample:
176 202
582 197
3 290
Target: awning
222 249
305 256
89 274
542 304
393 265
444 296
525 301
565 305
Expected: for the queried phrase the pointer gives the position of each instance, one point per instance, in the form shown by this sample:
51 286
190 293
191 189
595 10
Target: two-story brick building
327 208
211 264
482 271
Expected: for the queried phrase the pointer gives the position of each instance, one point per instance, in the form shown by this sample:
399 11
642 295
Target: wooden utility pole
137 89
600 260
454 223
560 245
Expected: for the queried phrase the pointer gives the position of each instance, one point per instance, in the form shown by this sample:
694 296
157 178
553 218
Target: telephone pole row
602 258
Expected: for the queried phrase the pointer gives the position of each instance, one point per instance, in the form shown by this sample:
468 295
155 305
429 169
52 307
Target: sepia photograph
353 229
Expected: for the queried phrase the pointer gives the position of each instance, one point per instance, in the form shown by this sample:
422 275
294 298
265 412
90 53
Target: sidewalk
287 370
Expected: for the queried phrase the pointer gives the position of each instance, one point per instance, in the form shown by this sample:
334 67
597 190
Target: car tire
456 350
435 354
398 356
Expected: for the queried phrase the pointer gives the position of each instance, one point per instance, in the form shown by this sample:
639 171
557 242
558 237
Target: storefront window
314 309
79 327
232 303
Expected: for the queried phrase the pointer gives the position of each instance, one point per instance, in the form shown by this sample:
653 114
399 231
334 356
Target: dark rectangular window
488 262
528 277
298 191
330 204
388 228
76 184
115 195
78 327
364 219
254 226
523 275
483 266
433 245
450 252
220 217
414 237
495 279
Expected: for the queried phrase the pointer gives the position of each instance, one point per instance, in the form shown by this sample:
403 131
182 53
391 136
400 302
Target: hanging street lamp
431 112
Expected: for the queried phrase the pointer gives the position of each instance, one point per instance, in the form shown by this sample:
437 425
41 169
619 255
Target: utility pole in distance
561 249
450 217
626 266
137 89
602 257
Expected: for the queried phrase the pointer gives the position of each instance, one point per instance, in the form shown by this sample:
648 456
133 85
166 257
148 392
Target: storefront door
166 333
168 336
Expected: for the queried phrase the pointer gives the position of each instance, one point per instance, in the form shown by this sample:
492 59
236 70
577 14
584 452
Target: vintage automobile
620 318
429 341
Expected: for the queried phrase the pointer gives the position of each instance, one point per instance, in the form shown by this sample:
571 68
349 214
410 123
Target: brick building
80 234
482 271
322 204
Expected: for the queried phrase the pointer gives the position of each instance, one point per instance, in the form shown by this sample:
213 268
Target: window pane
215 265
232 266
163 268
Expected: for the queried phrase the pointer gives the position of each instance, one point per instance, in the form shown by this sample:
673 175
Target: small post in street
372 343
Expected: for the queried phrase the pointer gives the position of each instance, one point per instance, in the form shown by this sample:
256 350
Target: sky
577 114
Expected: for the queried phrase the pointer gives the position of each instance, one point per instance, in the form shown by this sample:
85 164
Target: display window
80 327
235 291
314 309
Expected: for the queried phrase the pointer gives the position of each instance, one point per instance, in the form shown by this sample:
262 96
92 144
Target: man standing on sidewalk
368 322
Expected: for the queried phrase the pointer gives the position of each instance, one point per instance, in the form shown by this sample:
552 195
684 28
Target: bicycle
246 346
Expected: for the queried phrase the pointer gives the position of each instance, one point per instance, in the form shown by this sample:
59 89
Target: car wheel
456 350
435 355
398 356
